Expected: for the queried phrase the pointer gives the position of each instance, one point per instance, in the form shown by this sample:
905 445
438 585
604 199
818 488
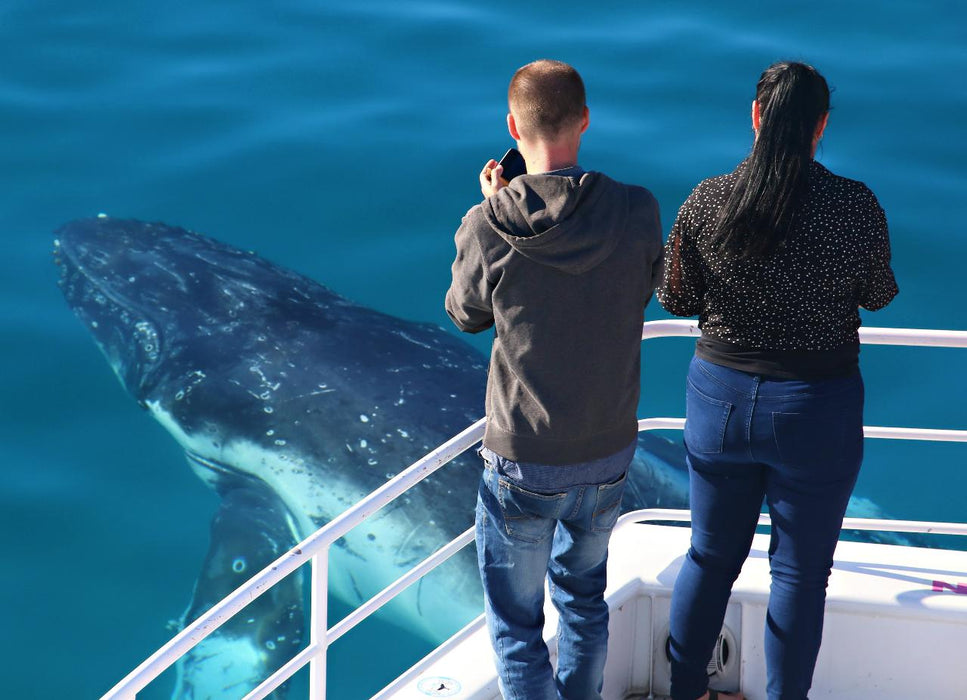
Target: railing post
319 623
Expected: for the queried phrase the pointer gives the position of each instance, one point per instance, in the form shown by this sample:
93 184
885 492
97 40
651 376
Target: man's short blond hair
546 97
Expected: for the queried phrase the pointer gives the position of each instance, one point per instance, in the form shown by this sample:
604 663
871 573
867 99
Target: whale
292 403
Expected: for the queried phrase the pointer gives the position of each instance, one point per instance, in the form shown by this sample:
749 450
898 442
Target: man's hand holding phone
496 175
490 178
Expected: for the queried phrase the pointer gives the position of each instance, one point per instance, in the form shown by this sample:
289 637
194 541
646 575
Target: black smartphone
513 163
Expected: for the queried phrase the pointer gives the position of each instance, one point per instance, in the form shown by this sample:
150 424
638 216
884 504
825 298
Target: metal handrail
310 548
915 337
870 431
867 524
315 548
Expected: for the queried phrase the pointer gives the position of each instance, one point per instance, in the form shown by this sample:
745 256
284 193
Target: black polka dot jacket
803 297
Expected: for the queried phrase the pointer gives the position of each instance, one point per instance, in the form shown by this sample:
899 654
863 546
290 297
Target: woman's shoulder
701 207
710 194
847 201
822 177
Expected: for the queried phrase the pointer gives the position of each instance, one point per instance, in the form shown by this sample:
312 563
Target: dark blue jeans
798 445
548 526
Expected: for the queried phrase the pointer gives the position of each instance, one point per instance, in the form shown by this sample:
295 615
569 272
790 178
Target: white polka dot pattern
805 296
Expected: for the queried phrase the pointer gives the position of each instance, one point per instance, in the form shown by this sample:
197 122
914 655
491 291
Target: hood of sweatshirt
568 222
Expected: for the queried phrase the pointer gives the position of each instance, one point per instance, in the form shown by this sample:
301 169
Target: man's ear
512 127
585 120
756 115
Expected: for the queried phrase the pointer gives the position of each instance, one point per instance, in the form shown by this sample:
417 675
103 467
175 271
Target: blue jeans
799 445
526 533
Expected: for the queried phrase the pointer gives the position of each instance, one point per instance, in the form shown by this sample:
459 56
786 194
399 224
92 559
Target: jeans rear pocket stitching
512 523
510 486
726 414
619 485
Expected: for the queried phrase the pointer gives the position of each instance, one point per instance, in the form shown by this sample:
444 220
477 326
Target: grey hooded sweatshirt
562 264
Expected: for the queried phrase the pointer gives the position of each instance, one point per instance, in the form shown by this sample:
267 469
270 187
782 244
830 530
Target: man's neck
545 157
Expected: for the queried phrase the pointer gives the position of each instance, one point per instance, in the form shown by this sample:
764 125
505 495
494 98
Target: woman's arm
682 289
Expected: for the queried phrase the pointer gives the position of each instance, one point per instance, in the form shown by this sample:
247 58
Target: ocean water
343 140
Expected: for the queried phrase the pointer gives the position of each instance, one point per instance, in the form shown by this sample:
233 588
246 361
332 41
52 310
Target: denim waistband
772 387
549 477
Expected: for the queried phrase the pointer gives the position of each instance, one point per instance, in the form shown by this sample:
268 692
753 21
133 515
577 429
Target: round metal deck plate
438 686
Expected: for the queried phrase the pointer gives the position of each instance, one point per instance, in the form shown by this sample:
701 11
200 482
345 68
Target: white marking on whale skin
194 378
413 340
862 507
206 674
323 389
370 556
178 278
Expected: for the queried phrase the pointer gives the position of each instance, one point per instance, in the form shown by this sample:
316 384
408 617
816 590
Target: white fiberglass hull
895 629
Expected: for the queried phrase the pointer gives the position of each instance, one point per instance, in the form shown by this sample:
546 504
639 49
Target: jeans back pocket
607 505
706 419
528 516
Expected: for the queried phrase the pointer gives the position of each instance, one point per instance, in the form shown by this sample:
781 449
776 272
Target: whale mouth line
220 468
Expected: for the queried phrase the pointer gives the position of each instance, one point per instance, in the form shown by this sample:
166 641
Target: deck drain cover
718 665
720 655
438 686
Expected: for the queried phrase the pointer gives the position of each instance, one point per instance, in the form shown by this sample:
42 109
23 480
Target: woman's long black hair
772 186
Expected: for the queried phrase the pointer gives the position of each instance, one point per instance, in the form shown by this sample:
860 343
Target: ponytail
772 186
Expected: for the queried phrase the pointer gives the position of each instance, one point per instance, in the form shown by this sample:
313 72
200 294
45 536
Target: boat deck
896 626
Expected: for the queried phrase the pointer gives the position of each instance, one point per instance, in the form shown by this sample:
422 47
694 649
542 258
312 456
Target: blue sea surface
343 140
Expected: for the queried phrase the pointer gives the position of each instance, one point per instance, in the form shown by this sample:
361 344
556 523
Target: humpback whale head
148 292
102 262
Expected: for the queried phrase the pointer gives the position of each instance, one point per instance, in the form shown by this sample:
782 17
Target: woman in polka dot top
775 258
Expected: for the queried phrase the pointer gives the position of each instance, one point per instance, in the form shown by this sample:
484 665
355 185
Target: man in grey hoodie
562 263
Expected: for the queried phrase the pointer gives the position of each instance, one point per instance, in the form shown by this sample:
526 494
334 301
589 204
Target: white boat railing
315 548
674 515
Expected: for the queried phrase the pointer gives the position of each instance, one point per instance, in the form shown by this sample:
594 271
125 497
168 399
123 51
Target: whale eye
239 565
